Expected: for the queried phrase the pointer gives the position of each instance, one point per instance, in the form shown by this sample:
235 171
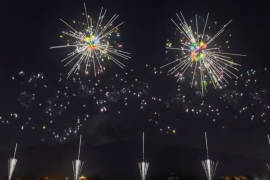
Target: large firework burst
93 44
206 61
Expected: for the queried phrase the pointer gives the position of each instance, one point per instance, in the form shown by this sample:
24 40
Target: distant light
82 178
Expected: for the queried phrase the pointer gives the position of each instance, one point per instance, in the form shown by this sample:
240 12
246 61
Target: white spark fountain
143 165
209 165
12 164
268 164
78 164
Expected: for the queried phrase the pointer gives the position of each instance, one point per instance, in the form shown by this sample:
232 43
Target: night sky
38 111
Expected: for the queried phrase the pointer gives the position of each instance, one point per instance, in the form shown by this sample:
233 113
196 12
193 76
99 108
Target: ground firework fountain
143 165
209 165
268 164
78 164
12 164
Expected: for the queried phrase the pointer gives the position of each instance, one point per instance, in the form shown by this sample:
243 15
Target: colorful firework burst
207 61
93 44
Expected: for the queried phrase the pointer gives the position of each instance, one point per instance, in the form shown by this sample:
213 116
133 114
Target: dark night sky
29 28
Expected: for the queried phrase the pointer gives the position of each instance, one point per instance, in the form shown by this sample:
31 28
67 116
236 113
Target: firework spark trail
206 62
93 45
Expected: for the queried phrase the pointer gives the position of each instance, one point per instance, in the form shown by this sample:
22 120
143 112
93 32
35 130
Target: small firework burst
207 62
93 44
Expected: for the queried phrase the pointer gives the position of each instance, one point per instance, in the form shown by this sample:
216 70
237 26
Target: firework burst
206 61
93 45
